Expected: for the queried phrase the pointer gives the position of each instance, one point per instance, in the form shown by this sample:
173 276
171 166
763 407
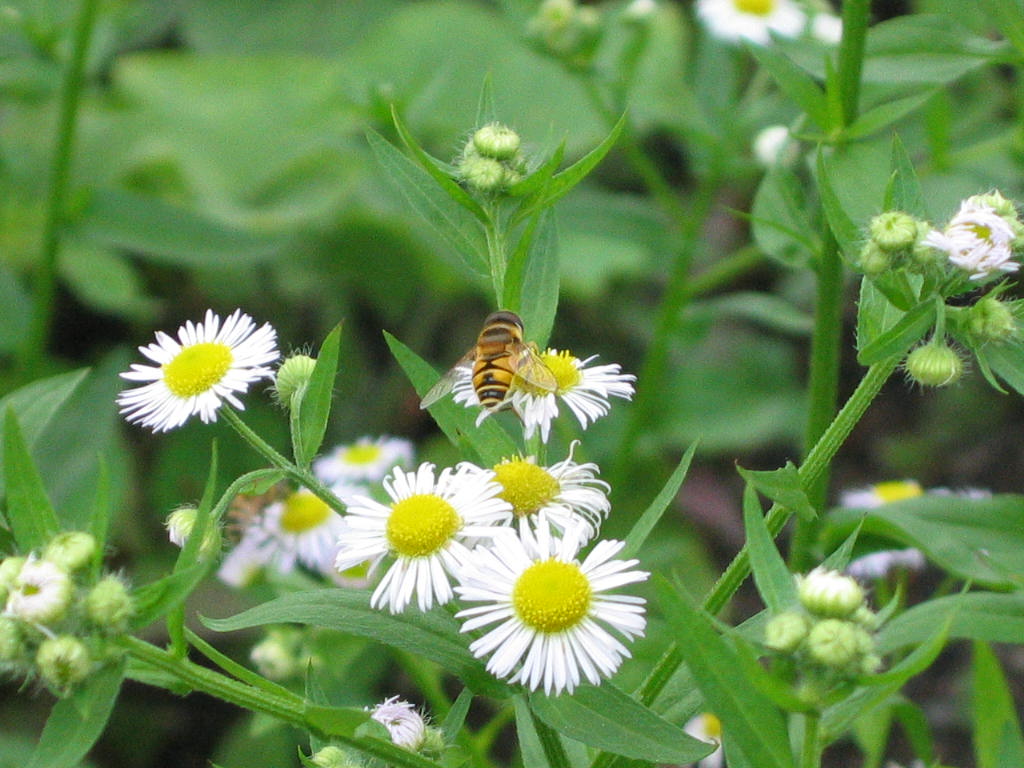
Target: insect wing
447 382
528 366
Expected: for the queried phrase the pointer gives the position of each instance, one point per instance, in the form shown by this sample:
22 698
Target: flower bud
71 550
404 723
934 365
785 632
829 593
893 231
873 260
179 525
277 656
12 640
333 757
109 605
997 203
41 593
63 661
496 141
991 320
292 376
833 643
866 618
9 570
484 174
870 664
922 255
433 741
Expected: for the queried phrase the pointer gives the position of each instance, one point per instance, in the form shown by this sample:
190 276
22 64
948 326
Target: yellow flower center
303 512
563 366
361 453
712 726
983 232
551 596
755 7
421 525
197 368
526 486
897 490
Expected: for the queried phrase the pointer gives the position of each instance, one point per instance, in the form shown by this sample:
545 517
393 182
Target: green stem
823 387
810 752
496 254
30 352
851 56
299 475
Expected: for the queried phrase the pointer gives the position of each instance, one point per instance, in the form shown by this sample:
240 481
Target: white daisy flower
879 564
826 28
404 723
551 608
244 564
567 494
584 390
206 365
428 528
882 493
41 593
977 239
301 529
753 20
707 727
367 460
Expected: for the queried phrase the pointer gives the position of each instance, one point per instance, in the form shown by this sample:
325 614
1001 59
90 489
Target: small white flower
878 564
772 145
584 390
977 240
707 727
301 528
404 723
567 494
206 365
41 593
243 564
877 495
367 460
428 528
550 608
827 28
753 20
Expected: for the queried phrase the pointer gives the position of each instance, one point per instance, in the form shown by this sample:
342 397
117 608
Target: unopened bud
404 723
333 757
12 640
71 550
873 260
934 365
866 618
893 231
484 174
179 525
277 656
292 376
63 661
10 567
496 141
433 741
833 643
829 593
785 632
109 605
991 320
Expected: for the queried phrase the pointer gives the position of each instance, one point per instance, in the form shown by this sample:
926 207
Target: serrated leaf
532 278
311 410
490 442
606 718
795 83
747 715
30 515
899 338
434 636
35 405
774 582
645 524
449 219
782 486
75 723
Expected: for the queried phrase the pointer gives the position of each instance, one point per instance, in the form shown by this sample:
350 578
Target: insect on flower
499 361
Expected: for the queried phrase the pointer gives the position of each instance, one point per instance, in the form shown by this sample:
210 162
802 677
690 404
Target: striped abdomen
492 367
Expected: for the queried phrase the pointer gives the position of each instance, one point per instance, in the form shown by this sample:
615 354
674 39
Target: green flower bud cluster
895 241
829 638
934 364
492 159
568 30
58 614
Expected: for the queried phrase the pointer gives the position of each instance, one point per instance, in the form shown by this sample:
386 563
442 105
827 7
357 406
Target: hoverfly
498 357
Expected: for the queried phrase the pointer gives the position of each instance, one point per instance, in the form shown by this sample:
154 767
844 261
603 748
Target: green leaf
29 513
901 336
490 442
781 225
437 171
311 410
530 746
434 636
873 120
235 669
99 520
456 717
783 486
772 312
605 718
75 723
774 581
846 232
1006 360
35 405
747 715
1008 17
988 616
977 539
157 598
531 277
167 234
448 218
536 182
993 713
338 721
644 525
904 193
795 83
